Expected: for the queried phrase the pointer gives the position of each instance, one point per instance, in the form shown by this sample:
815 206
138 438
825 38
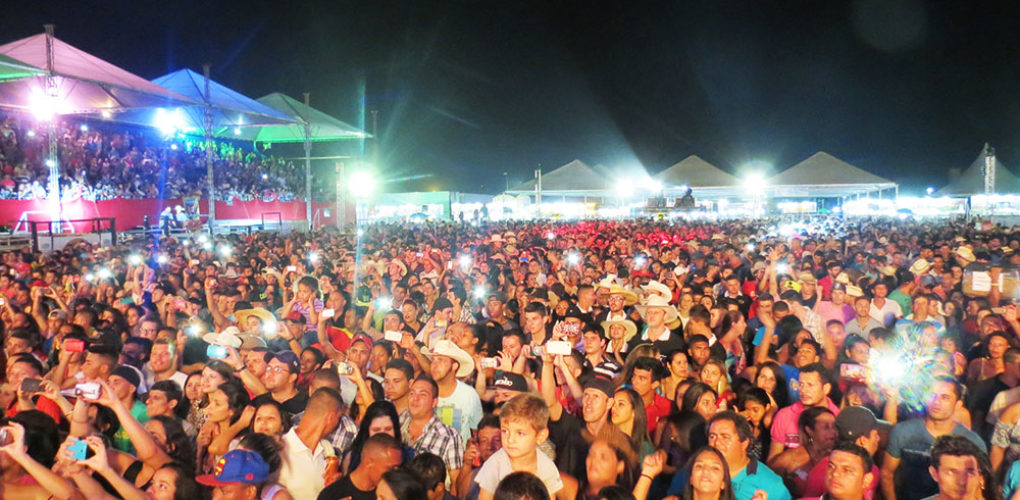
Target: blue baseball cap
237 466
288 358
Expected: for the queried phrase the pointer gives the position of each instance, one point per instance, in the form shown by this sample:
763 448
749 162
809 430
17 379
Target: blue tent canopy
231 110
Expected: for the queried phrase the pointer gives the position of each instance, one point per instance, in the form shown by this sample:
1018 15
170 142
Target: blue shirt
755 476
910 442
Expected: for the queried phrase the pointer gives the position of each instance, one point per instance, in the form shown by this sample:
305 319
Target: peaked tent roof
576 177
84 83
972 180
322 127
824 175
11 68
696 173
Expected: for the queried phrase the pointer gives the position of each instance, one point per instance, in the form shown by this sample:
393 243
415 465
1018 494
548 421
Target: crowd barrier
131 213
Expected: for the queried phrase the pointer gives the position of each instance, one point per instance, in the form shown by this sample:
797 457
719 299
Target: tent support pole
308 166
209 153
52 158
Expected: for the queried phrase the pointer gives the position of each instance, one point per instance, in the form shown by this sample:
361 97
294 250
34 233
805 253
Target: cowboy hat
629 298
229 337
854 291
806 277
657 302
889 270
843 278
628 325
449 349
920 266
965 253
258 312
658 288
606 282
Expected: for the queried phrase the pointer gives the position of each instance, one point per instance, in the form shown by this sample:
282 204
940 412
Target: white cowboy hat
449 349
920 266
658 288
965 253
229 337
657 302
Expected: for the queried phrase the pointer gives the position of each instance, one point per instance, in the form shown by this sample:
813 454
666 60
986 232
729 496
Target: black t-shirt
343 488
293 405
571 447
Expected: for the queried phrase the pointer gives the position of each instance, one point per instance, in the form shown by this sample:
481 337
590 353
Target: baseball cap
856 421
286 357
441 303
600 384
511 381
128 373
237 466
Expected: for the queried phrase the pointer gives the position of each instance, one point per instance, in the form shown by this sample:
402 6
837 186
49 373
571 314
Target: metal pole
211 184
375 138
341 201
308 164
52 158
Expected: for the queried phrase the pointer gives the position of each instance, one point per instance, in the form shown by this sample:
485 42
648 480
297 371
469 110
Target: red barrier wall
130 213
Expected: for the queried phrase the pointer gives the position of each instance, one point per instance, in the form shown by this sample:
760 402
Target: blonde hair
527 407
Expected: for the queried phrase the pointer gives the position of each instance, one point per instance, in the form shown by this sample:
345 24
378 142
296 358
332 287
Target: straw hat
628 325
629 298
920 266
657 302
854 291
606 282
258 312
965 253
888 270
449 349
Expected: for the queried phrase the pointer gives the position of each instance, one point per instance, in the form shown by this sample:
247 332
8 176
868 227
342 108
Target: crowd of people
102 163
835 358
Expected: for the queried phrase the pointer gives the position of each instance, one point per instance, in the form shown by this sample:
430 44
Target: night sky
467 90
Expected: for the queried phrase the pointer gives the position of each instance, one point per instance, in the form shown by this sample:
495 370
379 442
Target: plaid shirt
341 437
436 438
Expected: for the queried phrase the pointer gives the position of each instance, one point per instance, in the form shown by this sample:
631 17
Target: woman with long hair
817 429
713 374
679 371
700 399
380 417
606 465
212 376
771 377
628 415
710 477
991 363
226 404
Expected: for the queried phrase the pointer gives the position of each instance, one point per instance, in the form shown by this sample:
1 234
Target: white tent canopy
972 180
824 176
573 179
702 177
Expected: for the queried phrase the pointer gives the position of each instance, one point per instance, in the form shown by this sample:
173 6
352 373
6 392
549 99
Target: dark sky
467 90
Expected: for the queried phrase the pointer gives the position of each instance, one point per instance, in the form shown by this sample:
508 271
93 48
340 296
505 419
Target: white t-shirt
498 466
462 410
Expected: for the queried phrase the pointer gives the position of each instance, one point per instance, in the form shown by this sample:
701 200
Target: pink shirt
784 425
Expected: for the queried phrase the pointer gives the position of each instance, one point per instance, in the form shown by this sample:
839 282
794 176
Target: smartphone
558 347
419 254
127 301
571 328
80 449
328 313
31 385
344 368
74 345
291 269
440 323
393 336
489 362
216 352
3 437
194 262
179 304
88 390
3 301
852 371
538 351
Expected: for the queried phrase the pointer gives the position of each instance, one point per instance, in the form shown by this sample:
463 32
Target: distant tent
321 127
972 180
695 173
574 178
80 82
822 175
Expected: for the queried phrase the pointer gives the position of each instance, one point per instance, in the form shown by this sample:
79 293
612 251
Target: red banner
130 213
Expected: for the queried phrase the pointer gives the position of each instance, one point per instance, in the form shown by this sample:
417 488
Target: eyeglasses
278 369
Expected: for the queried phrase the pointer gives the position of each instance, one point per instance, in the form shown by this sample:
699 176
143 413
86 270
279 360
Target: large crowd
837 359
100 162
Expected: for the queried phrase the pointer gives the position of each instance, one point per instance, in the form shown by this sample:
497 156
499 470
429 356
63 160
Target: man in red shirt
645 380
21 367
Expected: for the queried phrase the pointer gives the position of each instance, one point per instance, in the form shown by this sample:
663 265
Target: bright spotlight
237 130
754 182
51 163
44 107
168 121
930 190
313 256
106 114
83 128
30 133
624 188
362 183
